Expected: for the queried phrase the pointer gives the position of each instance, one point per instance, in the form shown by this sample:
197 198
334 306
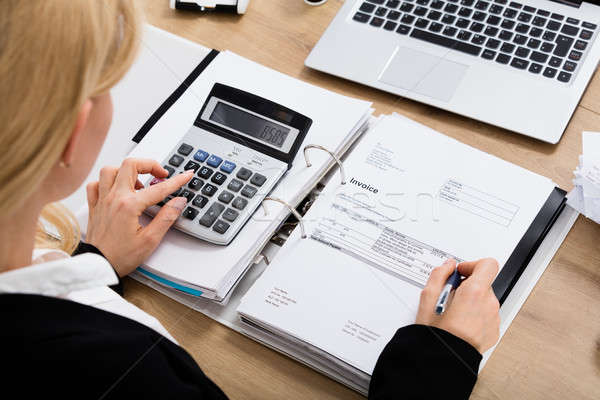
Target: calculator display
250 124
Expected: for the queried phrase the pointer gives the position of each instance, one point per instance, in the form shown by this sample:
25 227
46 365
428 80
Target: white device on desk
237 6
239 147
521 66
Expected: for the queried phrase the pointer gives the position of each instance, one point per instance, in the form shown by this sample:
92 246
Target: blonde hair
54 56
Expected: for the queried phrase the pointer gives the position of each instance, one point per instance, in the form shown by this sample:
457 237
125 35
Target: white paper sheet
349 308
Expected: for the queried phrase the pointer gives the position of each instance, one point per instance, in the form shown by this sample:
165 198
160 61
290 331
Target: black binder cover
526 248
160 111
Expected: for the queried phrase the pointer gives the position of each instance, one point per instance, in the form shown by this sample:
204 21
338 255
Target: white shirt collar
60 276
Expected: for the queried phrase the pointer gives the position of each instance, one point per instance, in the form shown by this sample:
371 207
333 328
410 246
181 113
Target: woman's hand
115 205
473 313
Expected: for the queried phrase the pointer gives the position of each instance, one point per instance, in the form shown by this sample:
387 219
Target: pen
452 283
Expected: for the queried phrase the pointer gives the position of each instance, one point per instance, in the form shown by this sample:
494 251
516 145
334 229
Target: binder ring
337 160
292 210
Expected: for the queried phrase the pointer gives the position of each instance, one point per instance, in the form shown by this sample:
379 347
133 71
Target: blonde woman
64 333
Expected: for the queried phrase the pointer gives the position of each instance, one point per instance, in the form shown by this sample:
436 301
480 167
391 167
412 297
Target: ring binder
292 210
337 160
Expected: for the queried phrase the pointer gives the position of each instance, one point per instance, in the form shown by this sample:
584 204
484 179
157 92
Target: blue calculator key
214 161
228 167
200 155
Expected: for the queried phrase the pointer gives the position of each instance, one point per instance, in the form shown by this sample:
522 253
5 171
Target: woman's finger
157 192
131 167
435 284
107 180
160 224
92 194
483 271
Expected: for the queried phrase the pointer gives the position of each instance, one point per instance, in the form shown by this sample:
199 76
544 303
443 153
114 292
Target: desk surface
551 350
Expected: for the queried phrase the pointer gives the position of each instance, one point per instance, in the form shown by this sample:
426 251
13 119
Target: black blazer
55 348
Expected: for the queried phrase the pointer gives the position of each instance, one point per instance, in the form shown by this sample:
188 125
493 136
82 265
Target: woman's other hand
115 205
473 313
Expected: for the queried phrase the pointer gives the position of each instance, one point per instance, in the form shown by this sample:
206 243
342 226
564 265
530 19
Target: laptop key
534 43
522 52
506 35
392 3
394 15
403 29
539 21
589 25
465 12
448 19
496 9
407 7
586 35
563 45
520 39
553 26
547 47
535 68
450 8
488 54
580 45
570 66
436 27
421 23
519 63
492 43
434 15
557 17
479 16
390 26
549 36
493 20
507 48
437 4
543 13
467 3
575 55
539 57
450 31
478 39
491 31
569 30
381 12
507 24
503 58
535 32
524 17
407 19
446 42
572 21
522 28
464 35
476 27
514 4
482 5
376 22
367 7
462 23
529 9
420 11
555 62
510 13
550 72
564 77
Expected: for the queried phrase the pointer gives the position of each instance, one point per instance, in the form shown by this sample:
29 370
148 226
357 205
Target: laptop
522 66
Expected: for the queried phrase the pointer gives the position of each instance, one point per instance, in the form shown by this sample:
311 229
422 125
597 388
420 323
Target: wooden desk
551 350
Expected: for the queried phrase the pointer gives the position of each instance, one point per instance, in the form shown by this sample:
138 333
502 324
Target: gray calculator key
209 190
239 203
230 215
212 214
258 179
249 191
185 149
187 194
235 185
244 174
226 196
190 213
170 170
176 160
221 227
195 184
200 201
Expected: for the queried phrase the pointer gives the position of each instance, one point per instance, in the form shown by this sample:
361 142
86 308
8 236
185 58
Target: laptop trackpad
423 73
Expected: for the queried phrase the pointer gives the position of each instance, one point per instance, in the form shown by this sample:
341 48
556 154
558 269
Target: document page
413 199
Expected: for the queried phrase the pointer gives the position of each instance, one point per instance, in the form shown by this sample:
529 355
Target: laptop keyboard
519 36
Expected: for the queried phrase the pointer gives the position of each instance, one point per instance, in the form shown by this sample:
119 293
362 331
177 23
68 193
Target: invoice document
413 199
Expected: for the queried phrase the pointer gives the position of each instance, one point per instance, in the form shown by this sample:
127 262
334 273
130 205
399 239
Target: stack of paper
585 197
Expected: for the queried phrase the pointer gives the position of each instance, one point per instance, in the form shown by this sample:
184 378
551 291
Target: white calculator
239 147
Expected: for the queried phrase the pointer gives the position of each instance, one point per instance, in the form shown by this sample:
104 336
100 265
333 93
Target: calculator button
187 194
185 149
235 185
244 174
239 203
258 179
221 227
211 214
209 190
191 165
200 156
228 167
226 197
170 170
176 160
214 161
230 215
176 193
195 184
219 178
190 213
249 191
200 201
205 172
